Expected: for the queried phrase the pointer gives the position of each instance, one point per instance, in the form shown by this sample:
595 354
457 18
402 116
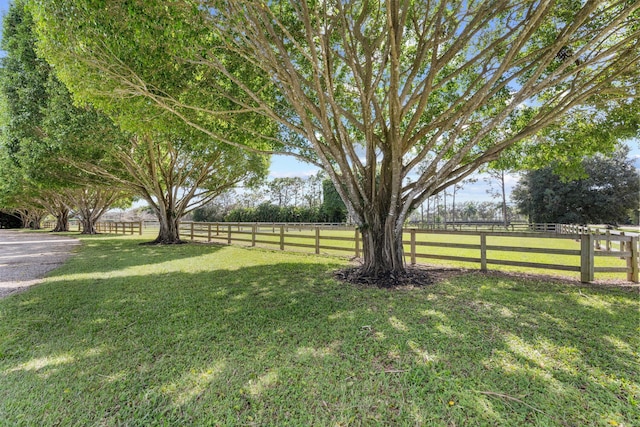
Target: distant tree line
312 199
436 212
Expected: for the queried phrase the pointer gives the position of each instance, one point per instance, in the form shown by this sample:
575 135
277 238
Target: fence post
357 243
140 232
413 246
192 225
632 261
317 240
208 232
253 235
608 242
586 258
483 251
229 234
282 237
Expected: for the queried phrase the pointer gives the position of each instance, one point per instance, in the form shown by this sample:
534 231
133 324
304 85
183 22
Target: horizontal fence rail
583 250
307 236
578 253
118 227
112 227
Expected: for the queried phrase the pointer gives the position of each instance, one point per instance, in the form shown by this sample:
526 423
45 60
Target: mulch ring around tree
413 277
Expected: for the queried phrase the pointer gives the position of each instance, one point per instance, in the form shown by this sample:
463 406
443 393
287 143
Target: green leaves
608 191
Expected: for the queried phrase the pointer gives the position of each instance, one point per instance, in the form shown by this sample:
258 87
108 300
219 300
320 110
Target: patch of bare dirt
25 258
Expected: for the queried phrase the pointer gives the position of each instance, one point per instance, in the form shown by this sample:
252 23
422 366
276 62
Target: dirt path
26 257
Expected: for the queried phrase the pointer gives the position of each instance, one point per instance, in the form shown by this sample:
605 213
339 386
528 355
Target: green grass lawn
210 335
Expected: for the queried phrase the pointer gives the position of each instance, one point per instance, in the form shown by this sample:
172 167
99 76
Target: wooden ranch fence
488 248
118 227
112 227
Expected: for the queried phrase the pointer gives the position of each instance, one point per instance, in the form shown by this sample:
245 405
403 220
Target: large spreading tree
367 90
177 172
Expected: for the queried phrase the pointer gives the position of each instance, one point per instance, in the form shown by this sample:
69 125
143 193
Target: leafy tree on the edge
36 176
608 194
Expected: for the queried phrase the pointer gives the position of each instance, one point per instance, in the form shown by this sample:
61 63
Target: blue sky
4 6
283 166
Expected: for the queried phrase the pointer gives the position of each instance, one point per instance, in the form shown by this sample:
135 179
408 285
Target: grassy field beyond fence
135 335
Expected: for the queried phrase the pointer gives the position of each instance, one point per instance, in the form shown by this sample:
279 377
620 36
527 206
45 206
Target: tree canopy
60 154
610 192
367 90
34 149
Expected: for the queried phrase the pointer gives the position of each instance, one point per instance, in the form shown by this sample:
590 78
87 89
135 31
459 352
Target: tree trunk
24 219
62 221
88 225
453 208
382 249
169 229
444 215
35 224
381 221
504 202
35 221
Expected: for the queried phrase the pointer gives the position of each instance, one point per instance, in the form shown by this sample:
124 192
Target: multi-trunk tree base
62 221
169 233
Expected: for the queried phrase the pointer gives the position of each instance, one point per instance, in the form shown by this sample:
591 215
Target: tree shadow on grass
114 254
284 343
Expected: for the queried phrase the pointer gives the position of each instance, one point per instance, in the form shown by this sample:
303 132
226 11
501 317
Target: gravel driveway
25 258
